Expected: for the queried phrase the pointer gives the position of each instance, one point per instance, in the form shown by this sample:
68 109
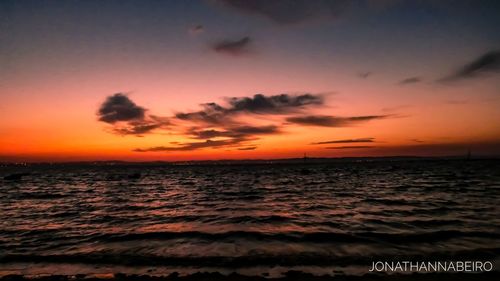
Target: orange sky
51 93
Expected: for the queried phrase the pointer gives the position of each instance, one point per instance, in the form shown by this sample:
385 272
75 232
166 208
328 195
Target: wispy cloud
360 140
364 75
248 148
234 132
196 29
350 147
277 104
189 146
233 47
332 121
214 113
410 80
141 127
487 63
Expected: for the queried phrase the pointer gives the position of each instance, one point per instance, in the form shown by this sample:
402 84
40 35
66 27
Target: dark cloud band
350 147
484 64
233 47
213 113
332 121
410 80
360 140
189 146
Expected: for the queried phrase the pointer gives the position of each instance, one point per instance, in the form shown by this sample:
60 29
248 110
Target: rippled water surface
247 218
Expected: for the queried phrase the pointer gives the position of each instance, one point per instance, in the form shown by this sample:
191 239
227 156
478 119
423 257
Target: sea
262 219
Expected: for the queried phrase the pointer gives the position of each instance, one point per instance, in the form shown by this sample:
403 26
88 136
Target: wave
297 237
319 237
297 259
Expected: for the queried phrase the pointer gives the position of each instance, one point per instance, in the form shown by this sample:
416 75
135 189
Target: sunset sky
222 79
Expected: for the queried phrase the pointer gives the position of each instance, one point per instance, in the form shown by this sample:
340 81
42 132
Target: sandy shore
289 276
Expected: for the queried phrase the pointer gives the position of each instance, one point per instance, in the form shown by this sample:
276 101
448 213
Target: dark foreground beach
289 276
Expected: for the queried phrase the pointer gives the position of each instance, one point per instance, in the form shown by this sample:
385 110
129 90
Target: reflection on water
242 217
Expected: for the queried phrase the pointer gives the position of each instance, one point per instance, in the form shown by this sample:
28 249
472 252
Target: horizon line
446 157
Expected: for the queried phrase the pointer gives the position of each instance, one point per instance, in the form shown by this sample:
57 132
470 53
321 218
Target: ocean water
330 218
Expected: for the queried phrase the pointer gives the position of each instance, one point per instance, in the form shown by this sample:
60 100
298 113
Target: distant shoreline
305 160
